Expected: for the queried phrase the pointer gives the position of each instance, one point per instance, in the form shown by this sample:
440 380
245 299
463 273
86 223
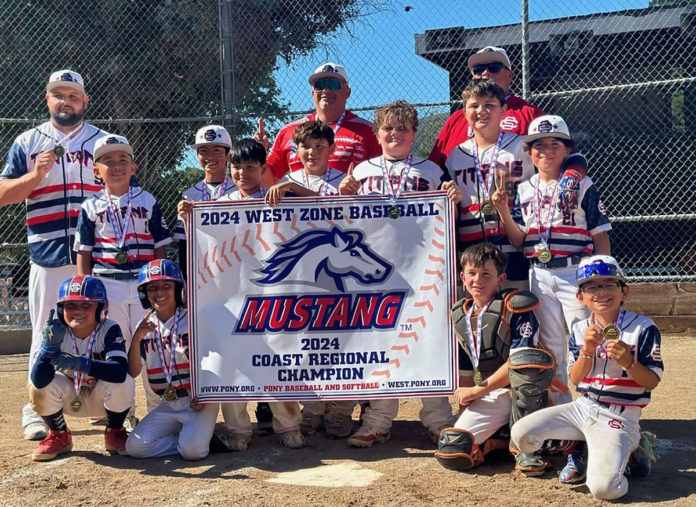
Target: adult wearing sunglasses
354 136
492 63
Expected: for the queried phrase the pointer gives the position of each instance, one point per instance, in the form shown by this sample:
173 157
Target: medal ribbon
120 230
79 377
386 177
475 342
486 186
70 135
537 206
339 122
222 188
325 184
618 323
173 342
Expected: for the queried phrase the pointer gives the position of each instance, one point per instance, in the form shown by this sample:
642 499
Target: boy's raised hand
454 193
500 197
54 332
260 135
349 185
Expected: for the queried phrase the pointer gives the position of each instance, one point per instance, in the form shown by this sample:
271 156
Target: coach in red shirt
355 139
493 63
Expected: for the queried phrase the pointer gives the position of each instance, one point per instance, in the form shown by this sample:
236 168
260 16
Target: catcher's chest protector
495 340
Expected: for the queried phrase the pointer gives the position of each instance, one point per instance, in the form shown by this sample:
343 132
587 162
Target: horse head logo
334 253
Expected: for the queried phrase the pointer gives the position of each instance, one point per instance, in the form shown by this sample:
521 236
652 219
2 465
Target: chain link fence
156 71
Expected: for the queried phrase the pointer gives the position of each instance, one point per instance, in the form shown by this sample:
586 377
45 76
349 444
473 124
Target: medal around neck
487 208
169 394
75 405
544 255
394 212
121 257
611 332
58 150
478 378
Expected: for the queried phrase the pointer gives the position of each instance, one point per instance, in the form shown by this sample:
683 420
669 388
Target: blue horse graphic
338 254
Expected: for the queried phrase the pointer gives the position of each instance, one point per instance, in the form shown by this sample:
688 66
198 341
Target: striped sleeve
158 227
595 214
84 234
16 164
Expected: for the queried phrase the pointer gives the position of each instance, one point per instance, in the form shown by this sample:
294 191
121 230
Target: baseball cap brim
64 84
541 135
320 75
487 57
109 148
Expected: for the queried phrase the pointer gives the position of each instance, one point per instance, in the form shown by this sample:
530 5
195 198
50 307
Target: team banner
331 298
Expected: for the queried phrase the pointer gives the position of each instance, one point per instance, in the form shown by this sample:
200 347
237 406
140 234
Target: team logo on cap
545 127
210 135
75 287
154 270
66 77
329 68
113 140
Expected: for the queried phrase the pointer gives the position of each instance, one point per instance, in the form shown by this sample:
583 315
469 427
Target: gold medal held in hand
478 378
611 332
487 208
169 394
544 255
75 405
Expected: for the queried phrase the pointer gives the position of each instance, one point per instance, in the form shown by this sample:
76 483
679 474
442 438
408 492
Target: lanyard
120 230
221 189
173 342
537 206
79 377
475 341
339 122
386 178
325 184
486 186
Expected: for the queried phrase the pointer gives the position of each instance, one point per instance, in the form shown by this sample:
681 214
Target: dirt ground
399 472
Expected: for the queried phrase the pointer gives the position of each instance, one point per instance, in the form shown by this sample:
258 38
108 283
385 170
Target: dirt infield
399 472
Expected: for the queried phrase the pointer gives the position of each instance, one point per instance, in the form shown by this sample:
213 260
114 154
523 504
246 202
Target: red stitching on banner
246 245
277 232
441 246
412 336
207 268
438 231
223 254
260 239
427 304
436 272
433 258
414 320
405 348
293 223
432 287
234 250
395 362
385 373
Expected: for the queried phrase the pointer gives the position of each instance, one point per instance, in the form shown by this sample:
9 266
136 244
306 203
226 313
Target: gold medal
75 405
121 257
478 378
611 332
487 208
58 150
169 394
544 255
394 212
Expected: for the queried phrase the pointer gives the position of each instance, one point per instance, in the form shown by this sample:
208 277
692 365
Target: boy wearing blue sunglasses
617 364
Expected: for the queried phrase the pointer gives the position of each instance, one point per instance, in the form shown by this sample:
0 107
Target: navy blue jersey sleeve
42 373
516 211
114 342
595 213
524 330
574 346
649 353
84 233
158 227
16 164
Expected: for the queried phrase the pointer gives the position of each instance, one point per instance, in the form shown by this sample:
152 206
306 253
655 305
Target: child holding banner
397 171
247 166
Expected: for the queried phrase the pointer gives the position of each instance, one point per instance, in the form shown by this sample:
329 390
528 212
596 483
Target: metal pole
525 49
227 67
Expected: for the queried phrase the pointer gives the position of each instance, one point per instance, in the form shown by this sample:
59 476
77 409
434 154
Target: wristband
583 353
632 365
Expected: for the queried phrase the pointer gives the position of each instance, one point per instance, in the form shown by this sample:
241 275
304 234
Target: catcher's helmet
160 269
83 288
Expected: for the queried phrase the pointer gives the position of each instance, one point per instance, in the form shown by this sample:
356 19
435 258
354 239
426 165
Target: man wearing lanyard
354 137
51 168
492 63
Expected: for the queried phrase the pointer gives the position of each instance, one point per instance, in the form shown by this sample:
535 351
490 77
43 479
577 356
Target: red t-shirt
455 131
354 142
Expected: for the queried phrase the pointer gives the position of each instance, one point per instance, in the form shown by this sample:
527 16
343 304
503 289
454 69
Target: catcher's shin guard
531 372
457 450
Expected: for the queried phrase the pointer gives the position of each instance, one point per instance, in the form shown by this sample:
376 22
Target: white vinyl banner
322 298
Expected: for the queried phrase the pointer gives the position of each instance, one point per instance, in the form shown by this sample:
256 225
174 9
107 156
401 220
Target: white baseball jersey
202 191
571 229
54 205
147 230
326 184
236 195
422 175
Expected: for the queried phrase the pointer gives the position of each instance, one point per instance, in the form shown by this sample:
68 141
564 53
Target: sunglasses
492 68
597 269
328 82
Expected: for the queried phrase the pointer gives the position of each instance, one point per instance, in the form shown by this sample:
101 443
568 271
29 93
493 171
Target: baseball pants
555 288
44 285
612 432
174 427
286 417
60 393
486 415
341 408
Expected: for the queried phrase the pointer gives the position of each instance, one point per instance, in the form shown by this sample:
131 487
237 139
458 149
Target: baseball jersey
181 376
198 193
354 142
54 205
236 195
607 381
423 175
472 228
572 227
147 230
323 185
516 119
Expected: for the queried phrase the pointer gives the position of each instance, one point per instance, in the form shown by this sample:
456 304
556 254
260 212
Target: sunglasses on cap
596 269
327 82
492 68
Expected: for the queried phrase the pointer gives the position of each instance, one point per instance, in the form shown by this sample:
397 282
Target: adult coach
492 63
51 168
355 139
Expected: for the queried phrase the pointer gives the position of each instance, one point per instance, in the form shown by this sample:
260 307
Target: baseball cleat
115 441
311 423
292 439
530 464
575 470
57 442
35 431
338 426
365 437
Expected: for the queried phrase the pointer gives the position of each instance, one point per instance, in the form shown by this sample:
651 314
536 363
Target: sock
115 419
55 422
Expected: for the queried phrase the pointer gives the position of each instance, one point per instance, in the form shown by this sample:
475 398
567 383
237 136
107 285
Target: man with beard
50 167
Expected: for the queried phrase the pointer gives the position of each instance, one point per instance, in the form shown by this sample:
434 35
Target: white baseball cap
489 54
598 267
212 134
548 125
66 77
329 69
109 143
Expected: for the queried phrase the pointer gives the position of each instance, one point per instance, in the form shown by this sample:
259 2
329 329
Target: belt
180 393
560 262
603 403
118 275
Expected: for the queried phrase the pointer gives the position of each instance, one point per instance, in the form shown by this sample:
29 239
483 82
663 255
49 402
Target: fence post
525 49
227 67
